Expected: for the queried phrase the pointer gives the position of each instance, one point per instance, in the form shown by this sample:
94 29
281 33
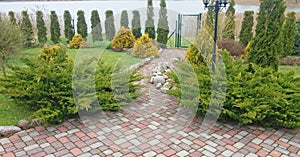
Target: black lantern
216 7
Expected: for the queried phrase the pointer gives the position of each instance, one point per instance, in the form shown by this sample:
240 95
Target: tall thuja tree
297 39
136 24
81 24
27 29
268 41
229 29
12 17
109 25
150 28
209 22
96 26
163 26
124 19
41 28
54 27
69 28
289 34
246 33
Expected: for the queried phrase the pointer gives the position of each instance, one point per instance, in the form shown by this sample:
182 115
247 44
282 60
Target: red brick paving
171 122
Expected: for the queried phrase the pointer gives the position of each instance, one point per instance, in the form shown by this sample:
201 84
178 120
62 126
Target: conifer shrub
43 84
78 42
144 47
254 95
124 39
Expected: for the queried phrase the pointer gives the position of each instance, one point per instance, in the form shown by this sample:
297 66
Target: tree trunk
2 65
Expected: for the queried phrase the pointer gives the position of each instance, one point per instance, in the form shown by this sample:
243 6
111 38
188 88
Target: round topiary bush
144 47
124 39
77 42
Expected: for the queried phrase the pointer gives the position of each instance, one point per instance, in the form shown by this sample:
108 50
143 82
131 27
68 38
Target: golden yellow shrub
123 39
144 47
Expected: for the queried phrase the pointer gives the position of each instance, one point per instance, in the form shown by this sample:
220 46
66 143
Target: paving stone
227 153
108 152
31 147
117 154
135 142
20 153
61 135
50 155
44 145
182 153
96 145
149 154
251 155
186 141
154 142
73 131
239 145
26 138
210 148
257 141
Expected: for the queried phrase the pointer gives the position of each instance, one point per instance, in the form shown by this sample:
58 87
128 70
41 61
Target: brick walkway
153 125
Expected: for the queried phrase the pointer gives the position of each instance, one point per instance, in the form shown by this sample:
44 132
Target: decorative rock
162 66
159 79
24 124
165 77
36 122
158 73
168 71
8 130
167 85
154 71
152 80
159 85
164 89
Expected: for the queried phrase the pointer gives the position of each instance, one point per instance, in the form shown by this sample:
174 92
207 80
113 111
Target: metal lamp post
219 4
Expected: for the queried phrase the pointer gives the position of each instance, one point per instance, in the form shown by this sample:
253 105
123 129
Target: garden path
152 125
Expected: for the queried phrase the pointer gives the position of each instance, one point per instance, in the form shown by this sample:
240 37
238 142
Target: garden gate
187 27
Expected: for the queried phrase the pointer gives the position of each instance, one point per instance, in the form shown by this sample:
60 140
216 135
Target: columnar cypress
41 28
27 29
289 34
69 28
268 42
96 26
163 26
136 24
246 33
54 27
209 23
229 29
12 18
109 25
297 39
81 24
124 19
150 28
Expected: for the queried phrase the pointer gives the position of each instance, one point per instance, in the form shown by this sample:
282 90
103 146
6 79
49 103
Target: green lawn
290 68
10 113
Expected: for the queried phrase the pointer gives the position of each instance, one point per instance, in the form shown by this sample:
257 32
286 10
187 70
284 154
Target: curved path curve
152 125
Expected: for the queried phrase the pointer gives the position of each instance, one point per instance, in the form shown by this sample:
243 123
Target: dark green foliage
69 28
136 24
289 34
229 29
246 33
110 29
268 41
12 17
45 84
11 39
124 19
163 26
254 95
96 26
149 25
297 39
81 24
27 29
54 27
41 28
